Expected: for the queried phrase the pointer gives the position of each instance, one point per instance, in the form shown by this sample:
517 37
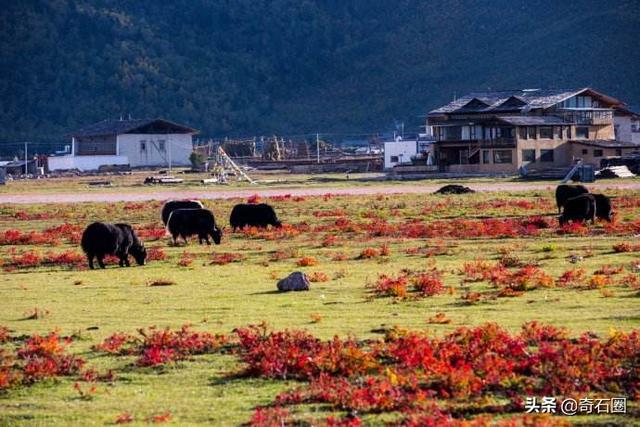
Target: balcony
480 143
587 117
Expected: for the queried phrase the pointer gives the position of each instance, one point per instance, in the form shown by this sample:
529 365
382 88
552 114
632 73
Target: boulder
296 281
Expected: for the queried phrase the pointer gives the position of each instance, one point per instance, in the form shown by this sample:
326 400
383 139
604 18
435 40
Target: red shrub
270 417
307 261
44 357
623 247
329 240
367 253
388 286
156 254
226 258
573 278
158 347
318 276
186 259
429 284
254 199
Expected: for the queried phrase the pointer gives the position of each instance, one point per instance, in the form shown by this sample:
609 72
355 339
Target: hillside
239 67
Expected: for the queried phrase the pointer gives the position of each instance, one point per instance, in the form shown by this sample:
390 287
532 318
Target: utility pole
318 147
26 158
169 149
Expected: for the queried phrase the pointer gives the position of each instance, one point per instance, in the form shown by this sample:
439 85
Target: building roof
118 127
533 120
605 143
515 100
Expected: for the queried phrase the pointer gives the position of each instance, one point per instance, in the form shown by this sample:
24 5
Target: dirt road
266 192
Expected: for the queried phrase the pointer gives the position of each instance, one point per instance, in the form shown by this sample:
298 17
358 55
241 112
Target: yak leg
90 259
124 260
101 261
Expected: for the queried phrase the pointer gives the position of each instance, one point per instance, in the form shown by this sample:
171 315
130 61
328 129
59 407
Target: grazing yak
172 205
579 208
188 222
565 192
603 207
253 215
100 239
454 189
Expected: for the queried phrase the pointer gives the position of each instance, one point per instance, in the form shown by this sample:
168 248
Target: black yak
253 215
100 239
580 208
603 207
172 205
454 189
187 222
565 192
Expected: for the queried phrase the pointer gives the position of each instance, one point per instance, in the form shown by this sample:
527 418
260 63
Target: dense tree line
242 67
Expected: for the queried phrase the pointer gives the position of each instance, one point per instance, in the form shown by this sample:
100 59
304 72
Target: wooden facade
513 131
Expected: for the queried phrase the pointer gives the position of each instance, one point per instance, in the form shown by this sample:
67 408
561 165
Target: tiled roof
514 100
534 98
117 127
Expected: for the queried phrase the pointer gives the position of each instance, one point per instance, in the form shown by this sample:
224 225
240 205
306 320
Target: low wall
84 163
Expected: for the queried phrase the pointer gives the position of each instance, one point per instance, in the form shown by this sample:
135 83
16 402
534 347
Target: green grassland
90 305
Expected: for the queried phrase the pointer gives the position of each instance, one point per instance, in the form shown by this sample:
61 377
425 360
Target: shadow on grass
272 292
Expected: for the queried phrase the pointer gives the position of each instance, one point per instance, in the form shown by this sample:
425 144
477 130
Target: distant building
17 167
627 124
532 129
403 151
136 143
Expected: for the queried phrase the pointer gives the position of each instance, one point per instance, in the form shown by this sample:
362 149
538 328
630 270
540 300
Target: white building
627 125
400 151
137 143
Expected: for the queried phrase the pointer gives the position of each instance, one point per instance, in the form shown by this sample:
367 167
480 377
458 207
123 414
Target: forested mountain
244 67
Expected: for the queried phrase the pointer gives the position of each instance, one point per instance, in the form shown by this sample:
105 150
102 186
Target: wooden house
525 130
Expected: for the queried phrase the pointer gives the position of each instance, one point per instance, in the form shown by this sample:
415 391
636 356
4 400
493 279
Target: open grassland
379 265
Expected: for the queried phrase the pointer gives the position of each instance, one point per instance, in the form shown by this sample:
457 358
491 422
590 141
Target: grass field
349 242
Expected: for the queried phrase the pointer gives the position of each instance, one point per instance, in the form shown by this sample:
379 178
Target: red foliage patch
158 347
318 276
226 258
156 254
40 357
429 284
254 199
411 373
307 261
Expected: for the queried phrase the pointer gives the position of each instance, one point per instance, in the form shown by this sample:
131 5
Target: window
582 132
502 156
522 132
486 157
618 151
585 151
546 156
454 133
472 132
162 145
529 156
597 153
546 132
143 145
394 159
531 131
558 132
